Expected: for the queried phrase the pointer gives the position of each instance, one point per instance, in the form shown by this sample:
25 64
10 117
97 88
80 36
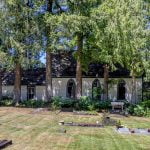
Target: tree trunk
49 76
79 67
133 89
49 5
0 85
106 77
17 85
49 61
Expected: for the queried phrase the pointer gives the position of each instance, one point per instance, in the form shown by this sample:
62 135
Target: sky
43 58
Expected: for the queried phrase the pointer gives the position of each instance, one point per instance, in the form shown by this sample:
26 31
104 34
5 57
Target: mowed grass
40 131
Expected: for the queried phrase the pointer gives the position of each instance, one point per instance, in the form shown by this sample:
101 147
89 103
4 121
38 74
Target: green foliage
70 24
33 104
59 102
86 103
119 33
2 57
68 103
118 123
96 92
146 93
6 102
112 32
19 32
145 104
139 111
130 109
126 103
142 109
56 103
104 105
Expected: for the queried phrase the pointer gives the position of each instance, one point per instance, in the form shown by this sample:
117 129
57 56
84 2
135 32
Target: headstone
133 131
124 130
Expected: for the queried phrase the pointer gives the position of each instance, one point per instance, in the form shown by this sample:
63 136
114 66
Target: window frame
74 89
34 93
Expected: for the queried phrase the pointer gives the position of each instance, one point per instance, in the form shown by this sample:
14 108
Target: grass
40 132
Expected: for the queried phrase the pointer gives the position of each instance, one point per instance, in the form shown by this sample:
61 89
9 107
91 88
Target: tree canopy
112 32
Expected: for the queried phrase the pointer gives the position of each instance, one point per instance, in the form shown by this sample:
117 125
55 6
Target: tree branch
57 4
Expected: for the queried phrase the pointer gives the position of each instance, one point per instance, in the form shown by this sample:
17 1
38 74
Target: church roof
63 66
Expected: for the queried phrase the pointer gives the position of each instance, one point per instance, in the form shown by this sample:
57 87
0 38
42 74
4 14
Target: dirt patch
117 116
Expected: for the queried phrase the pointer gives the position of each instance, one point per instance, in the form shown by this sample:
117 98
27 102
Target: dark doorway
121 90
31 92
96 89
71 86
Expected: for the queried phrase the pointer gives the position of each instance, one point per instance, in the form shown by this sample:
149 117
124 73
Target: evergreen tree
53 8
2 67
18 33
75 26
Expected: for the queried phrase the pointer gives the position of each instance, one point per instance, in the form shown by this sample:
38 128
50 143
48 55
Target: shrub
118 124
85 103
145 104
59 102
130 109
139 111
68 103
126 103
33 103
56 103
6 102
25 103
142 109
104 105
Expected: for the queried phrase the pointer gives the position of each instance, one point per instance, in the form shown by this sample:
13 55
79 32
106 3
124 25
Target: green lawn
40 132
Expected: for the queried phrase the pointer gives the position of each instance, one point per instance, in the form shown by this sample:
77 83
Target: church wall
60 85
8 91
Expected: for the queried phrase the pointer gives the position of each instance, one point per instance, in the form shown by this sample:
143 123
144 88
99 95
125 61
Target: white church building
64 82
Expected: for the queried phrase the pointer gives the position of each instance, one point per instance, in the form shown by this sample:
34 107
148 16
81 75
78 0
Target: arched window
121 92
96 89
71 88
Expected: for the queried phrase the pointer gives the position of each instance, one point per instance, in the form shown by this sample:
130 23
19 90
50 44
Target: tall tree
2 67
120 34
17 33
133 34
146 51
49 92
80 13
103 41
76 24
53 8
